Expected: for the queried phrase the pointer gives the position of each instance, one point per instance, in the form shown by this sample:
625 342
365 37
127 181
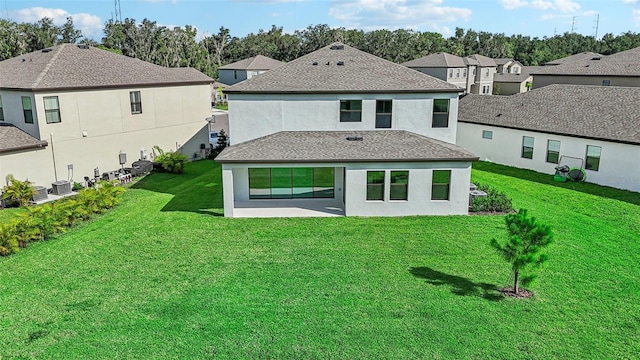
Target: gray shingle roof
437 60
576 57
346 70
483 61
333 146
70 66
596 112
12 139
625 63
257 62
510 78
502 61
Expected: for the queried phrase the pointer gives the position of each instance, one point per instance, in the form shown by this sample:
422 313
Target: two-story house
81 106
511 77
485 70
233 73
453 69
342 132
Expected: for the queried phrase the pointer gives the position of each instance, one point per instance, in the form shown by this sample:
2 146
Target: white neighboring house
233 73
342 132
600 126
450 68
80 106
485 70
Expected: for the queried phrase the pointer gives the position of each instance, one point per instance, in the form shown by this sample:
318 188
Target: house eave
317 161
362 91
627 142
102 87
40 145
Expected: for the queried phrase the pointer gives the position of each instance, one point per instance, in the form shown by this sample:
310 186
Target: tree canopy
183 46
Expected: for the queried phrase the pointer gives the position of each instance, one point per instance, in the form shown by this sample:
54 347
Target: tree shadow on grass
459 285
546 179
198 190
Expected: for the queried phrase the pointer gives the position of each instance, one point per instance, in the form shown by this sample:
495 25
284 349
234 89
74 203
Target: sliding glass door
291 183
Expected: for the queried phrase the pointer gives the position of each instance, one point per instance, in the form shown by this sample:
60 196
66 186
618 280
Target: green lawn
165 276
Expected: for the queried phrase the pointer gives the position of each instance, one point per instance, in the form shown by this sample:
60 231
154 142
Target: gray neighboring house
233 73
595 127
450 68
620 69
342 132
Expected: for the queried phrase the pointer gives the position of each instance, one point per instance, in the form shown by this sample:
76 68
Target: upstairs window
440 113
27 110
593 157
383 114
450 73
457 73
440 184
52 109
553 151
1 110
136 102
487 134
606 82
527 147
487 73
464 73
350 110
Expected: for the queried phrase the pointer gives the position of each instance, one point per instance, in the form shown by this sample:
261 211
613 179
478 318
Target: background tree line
181 46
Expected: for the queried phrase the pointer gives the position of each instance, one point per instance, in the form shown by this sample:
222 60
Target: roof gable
339 68
483 61
575 57
73 66
440 59
257 62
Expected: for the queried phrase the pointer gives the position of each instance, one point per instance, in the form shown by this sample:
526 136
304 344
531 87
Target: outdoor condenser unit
61 187
41 193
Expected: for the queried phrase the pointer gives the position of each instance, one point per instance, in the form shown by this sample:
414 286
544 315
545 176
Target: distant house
594 127
342 132
486 69
508 66
246 69
620 69
77 107
450 68
511 78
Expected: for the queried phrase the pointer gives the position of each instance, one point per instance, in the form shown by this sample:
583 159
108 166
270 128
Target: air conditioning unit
474 194
41 193
61 187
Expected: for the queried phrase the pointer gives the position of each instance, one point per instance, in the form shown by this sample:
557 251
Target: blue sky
528 17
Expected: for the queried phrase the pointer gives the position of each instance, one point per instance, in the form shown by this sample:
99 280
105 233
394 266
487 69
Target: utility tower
118 11
597 24
573 25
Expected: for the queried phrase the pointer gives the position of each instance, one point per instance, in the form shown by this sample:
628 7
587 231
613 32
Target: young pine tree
523 250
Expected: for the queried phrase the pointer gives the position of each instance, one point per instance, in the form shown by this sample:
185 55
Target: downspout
53 155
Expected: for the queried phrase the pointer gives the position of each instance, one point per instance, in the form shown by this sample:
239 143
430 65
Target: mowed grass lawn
165 276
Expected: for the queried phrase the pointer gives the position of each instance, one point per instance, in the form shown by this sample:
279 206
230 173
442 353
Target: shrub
495 201
171 161
41 222
18 192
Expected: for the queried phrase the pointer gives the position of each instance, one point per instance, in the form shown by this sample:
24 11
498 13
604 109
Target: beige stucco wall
619 163
33 165
97 125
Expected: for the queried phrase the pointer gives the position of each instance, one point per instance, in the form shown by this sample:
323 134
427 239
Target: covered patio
288 208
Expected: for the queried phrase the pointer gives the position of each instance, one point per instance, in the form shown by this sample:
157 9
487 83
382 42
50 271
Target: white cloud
159 1
565 6
636 17
90 25
630 2
395 14
513 4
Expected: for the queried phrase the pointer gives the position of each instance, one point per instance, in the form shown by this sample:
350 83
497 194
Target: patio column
227 190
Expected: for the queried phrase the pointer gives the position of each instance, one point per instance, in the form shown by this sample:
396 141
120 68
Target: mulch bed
521 294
